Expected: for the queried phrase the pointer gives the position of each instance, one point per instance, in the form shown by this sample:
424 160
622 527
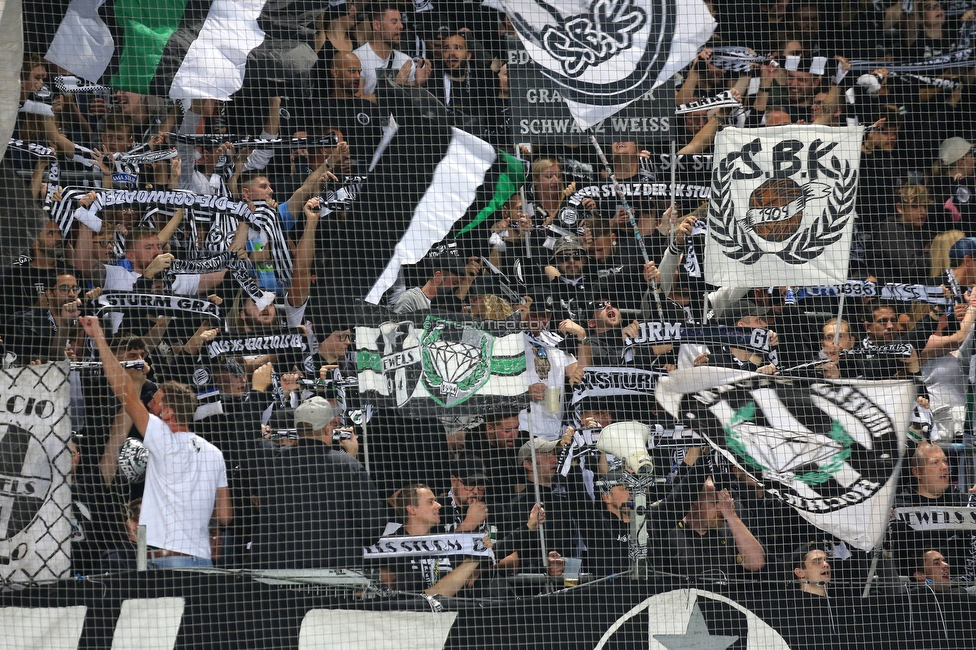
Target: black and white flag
35 462
781 209
832 450
604 54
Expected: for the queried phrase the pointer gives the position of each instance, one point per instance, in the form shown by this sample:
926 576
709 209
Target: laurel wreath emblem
807 244
736 243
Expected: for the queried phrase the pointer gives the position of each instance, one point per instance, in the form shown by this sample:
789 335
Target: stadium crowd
258 458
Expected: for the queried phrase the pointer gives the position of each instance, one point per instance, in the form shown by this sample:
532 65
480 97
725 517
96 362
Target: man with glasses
49 333
567 277
468 511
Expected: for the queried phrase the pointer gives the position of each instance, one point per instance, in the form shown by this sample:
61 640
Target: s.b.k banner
832 450
781 209
35 462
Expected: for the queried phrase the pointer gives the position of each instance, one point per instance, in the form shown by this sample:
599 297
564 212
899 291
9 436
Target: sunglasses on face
600 306
565 257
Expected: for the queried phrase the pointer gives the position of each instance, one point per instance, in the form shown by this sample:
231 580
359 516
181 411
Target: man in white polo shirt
186 478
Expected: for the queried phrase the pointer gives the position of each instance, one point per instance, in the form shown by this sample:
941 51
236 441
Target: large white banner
781 210
832 450
35 462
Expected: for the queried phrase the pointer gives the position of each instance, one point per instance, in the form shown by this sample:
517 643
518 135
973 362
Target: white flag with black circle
781 210
605 54
832 450
35 463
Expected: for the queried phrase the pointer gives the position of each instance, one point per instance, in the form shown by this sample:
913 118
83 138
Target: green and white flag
832 450
440 363
168 47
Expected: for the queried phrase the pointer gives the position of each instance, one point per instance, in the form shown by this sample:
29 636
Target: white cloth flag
604 54
832 450
35 462
781 210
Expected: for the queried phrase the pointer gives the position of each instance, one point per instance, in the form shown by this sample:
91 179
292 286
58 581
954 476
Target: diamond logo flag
440 364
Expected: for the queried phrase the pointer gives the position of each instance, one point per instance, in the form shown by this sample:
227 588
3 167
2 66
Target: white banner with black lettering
832 450
429 546
781 209
937 517
35 462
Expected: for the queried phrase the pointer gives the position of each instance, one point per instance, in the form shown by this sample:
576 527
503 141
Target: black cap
542 300
741 309
470 471
486 285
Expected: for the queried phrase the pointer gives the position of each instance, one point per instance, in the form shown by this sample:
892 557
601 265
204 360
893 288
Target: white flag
781 210
832 450
604 54
35 461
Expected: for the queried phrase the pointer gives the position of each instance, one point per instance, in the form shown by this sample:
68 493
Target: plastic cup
571 572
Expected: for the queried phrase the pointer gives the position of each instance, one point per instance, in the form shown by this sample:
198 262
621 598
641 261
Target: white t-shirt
550 370
369 62
182 478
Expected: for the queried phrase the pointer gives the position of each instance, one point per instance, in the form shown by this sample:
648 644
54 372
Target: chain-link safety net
504 324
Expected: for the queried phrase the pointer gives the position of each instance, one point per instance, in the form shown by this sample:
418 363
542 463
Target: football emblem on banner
830 450
782 206
604 54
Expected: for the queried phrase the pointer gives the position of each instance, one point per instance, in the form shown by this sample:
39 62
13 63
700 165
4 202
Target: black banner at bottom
198 610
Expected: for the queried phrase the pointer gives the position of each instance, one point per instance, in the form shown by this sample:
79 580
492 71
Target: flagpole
876 551
528 233
674 188
840 311
630 216
538 497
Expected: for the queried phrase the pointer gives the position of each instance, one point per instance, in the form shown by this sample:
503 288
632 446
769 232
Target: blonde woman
548 187
939 254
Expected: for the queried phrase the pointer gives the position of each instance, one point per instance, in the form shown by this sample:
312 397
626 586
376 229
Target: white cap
954 149
316 412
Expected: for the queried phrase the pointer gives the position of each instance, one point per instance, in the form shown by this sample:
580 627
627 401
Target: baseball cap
542 446
470 471
542 300
448 263
740 309
568 243
962 248
316 412
952 149
486 285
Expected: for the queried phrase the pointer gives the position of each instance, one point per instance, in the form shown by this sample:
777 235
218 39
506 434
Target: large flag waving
186 50
830 449
604 54
426 178
781 209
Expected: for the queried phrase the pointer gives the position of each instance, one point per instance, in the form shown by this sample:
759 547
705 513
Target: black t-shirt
361 123
22 283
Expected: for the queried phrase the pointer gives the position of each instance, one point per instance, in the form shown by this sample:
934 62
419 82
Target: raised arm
118 380
302 269
750 549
